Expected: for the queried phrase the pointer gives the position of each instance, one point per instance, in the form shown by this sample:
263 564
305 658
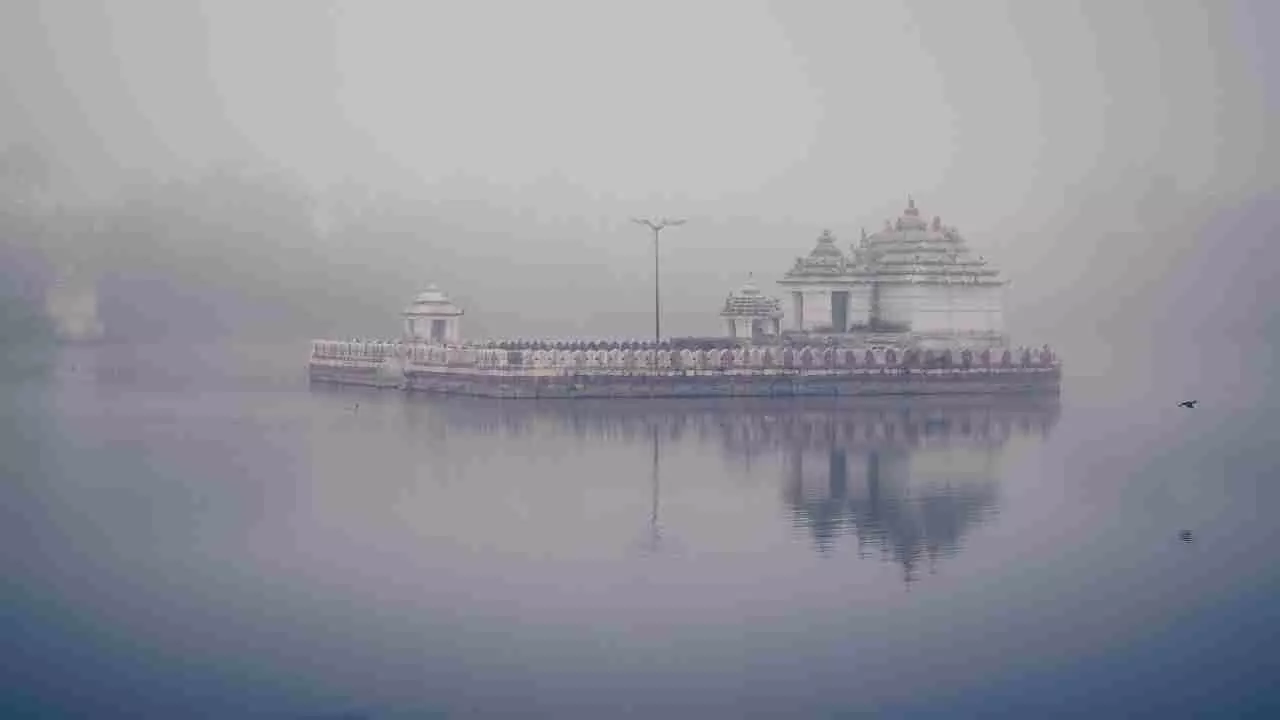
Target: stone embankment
639 370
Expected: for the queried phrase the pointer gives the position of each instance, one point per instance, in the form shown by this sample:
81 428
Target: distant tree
26 173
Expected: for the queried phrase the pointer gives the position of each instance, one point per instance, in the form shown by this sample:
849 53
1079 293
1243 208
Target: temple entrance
840 311
437 330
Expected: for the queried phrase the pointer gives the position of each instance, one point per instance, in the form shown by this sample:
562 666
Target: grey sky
824 108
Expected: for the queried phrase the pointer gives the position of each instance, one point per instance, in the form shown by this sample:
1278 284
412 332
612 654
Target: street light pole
657 226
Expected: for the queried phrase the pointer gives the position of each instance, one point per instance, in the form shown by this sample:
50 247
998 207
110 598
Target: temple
913 283
750 314
908 311
432 317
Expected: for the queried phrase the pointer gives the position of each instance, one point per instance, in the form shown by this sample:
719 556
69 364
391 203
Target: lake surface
200 534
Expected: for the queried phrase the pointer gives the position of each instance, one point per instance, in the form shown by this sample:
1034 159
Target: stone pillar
996 301
817 309
859 305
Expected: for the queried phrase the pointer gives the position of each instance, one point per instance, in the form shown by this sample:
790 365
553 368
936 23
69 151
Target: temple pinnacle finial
911 210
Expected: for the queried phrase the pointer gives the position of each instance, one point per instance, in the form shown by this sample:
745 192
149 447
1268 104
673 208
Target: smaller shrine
750 314
432 317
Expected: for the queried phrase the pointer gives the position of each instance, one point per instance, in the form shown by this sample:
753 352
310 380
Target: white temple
432 317
912 278
913 284
750 314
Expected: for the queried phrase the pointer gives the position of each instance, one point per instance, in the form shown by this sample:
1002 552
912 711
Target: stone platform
537 373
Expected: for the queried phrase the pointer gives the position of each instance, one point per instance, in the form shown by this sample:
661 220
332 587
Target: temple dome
826 246
433 302
749 300
824 259
910 218
912 243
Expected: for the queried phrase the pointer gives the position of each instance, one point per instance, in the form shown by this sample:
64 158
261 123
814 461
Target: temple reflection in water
901 479
905 481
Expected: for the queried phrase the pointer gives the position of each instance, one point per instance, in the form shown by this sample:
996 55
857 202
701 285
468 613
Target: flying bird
1190 404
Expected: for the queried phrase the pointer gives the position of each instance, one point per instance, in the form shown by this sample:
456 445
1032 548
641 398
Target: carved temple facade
913 279
907 311
751 315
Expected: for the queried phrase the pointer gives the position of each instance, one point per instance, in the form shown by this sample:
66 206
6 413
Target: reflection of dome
433 302
907 479
887 503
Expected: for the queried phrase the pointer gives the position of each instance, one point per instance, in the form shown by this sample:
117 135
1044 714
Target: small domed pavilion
750 314
432 318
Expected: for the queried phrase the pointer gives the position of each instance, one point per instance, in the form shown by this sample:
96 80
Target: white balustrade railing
625 357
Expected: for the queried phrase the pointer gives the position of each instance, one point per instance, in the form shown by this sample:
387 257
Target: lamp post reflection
655 529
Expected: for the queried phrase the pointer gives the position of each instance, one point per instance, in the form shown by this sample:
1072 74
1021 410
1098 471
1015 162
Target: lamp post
657 226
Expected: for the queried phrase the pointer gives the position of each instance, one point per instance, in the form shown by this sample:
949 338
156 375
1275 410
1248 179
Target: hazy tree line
244 251
231 251
251 252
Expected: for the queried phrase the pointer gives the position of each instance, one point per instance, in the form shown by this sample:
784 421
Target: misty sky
822 108
1062 138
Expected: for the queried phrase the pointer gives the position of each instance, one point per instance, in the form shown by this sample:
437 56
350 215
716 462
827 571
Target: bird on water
1190 404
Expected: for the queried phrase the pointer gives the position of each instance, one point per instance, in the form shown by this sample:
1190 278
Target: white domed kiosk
749 313
432 318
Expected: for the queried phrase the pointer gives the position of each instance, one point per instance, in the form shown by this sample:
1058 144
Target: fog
234 168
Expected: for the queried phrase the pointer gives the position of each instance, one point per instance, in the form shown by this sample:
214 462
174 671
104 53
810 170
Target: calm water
209 537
